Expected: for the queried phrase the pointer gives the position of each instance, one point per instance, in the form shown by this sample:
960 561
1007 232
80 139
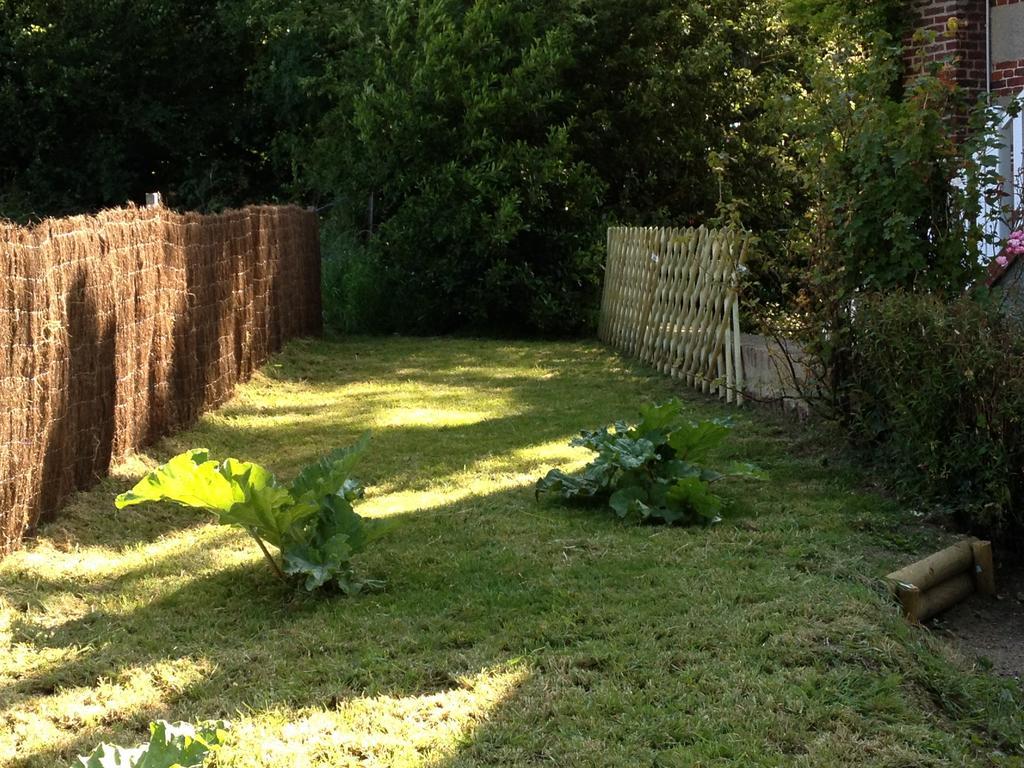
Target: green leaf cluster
476 153
653 471
933 397
310 520
170 745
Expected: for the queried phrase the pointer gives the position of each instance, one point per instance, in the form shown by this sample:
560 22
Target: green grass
510 633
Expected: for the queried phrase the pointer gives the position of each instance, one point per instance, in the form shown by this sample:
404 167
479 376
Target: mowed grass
511 633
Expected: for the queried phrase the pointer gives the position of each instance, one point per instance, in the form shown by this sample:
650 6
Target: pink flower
1003 260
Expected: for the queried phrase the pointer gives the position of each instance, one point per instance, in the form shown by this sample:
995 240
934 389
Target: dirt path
992 627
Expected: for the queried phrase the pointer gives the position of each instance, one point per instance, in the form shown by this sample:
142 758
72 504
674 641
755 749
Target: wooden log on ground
938 582
910 599
944 596
937 568
984 569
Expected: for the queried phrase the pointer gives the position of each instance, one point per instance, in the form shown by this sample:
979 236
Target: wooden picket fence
671 299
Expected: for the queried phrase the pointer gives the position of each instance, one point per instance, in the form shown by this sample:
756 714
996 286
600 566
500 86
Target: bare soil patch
992 628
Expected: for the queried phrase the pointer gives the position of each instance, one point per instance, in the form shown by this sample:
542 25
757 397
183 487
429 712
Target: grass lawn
510 633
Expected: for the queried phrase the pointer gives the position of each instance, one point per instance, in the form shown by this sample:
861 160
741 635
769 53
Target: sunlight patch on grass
95 563
131 694
432 417
394 731
520 468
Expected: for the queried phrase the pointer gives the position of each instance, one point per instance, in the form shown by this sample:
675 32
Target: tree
103 101
497 140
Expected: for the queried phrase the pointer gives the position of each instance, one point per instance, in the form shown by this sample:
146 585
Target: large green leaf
655 419
238 492
627 454
111 756
653 471
593 482
311 521
171 745
318 564
693 442
330 475
320 549
266 508
629 501
190 479
691 495
174 745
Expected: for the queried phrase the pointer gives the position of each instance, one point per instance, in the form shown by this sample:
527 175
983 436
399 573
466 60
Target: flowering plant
1014 247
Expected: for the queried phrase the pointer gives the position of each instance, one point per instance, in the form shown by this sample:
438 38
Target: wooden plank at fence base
671 298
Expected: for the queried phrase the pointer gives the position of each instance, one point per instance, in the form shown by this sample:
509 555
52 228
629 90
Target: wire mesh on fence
118 328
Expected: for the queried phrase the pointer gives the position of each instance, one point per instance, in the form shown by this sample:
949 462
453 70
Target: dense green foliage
310 520
469 155
484 148
653 471
898 202
101 102
891 213
170 745
934 393
893 232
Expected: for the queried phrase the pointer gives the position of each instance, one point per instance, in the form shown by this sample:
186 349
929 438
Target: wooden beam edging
940 581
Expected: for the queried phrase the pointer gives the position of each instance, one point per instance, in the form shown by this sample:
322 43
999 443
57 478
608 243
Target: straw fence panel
118 328
671 299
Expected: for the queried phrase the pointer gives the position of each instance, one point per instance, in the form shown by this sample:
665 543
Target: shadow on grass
445 615
418 457
651 637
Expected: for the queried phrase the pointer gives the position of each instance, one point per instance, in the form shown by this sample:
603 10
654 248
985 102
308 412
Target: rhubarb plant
652 471
170 745
310 521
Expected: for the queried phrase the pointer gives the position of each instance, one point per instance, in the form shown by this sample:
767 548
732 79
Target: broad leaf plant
653 471
170 745
310 520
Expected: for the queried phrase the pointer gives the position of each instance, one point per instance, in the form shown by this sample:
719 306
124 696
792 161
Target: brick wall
1008 77
1007 47
963 48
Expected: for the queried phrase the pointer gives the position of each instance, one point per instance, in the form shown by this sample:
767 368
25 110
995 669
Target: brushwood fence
671 299
116 329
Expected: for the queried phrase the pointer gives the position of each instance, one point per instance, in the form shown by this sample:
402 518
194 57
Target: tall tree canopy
468 154
104 100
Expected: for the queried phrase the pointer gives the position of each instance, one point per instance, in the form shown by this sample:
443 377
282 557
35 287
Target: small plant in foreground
653 471
171 745
310 520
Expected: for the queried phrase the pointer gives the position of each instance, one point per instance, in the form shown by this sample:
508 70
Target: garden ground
510 633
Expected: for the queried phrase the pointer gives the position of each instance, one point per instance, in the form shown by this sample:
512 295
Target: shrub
651 472
310 520
354 296
170 745
479 154
934 391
